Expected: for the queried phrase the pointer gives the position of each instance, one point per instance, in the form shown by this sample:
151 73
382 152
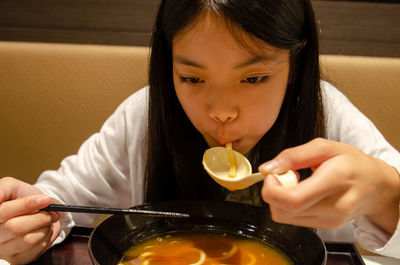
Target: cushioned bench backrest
373 85
54 96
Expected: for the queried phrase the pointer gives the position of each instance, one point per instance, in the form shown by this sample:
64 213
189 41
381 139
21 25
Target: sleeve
374 239
346 124
100 174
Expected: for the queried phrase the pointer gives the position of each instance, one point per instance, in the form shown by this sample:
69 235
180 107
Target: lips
223 142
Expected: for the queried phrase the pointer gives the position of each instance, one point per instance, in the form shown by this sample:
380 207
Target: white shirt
108 169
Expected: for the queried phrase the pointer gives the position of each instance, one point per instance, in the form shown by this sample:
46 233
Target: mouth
223 142
238 144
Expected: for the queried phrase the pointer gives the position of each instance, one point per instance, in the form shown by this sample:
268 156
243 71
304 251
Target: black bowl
116 234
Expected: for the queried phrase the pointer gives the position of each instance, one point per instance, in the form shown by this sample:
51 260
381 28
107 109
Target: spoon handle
105 210
258 176
288 179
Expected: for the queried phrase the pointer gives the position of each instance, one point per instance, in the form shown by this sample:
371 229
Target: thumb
271 181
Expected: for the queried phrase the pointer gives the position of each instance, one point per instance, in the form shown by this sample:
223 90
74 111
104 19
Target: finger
324 182
333 207
294 200
343 206
56 227
309 155
25 224
11 188
25 205
8 188
321 221
24 243
312 221
33 252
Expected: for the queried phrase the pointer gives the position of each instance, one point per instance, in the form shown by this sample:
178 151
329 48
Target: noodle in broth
203 249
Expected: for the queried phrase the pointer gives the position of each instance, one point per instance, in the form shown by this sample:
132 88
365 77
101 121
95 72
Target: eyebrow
252 60
257 59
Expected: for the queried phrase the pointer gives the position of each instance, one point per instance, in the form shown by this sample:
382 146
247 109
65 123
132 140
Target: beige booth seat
373 85
54 96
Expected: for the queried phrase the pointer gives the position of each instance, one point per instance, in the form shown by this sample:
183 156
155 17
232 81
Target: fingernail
41 200
271 179
270 166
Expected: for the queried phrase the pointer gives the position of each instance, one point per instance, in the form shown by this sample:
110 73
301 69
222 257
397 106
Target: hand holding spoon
217 165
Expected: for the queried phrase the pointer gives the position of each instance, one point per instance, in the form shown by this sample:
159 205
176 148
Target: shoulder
347 124
336 105
133 110
339 111
331 95
136 103
128 123
344 122
133 113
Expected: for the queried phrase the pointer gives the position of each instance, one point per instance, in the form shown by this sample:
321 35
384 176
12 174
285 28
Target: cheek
262 109
270 105
262 117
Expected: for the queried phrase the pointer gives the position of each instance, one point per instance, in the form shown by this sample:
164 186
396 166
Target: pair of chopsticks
105 210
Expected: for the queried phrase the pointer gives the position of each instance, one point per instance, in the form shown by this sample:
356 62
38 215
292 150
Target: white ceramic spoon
216 163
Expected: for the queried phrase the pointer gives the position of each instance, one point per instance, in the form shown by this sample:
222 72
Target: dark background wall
369 28
346 27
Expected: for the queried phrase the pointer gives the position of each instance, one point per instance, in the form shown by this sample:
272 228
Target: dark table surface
74 251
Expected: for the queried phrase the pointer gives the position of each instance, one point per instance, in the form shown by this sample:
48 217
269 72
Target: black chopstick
105 210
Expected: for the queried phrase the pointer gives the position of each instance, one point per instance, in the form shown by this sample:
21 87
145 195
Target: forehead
210 27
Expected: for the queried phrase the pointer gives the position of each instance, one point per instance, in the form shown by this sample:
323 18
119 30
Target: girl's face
228 93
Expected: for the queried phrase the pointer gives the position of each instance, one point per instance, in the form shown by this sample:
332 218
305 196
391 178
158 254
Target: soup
203 249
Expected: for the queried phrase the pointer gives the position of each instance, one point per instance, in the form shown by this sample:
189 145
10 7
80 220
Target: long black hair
175 147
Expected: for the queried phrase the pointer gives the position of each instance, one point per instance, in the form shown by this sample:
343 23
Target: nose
223 112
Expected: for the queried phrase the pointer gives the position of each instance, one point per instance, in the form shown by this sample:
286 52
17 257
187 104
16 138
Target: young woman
224 71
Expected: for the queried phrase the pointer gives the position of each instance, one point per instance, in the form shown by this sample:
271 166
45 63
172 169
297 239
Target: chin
243 148
244 151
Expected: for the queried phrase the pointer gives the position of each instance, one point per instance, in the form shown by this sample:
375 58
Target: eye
192 80
255 79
